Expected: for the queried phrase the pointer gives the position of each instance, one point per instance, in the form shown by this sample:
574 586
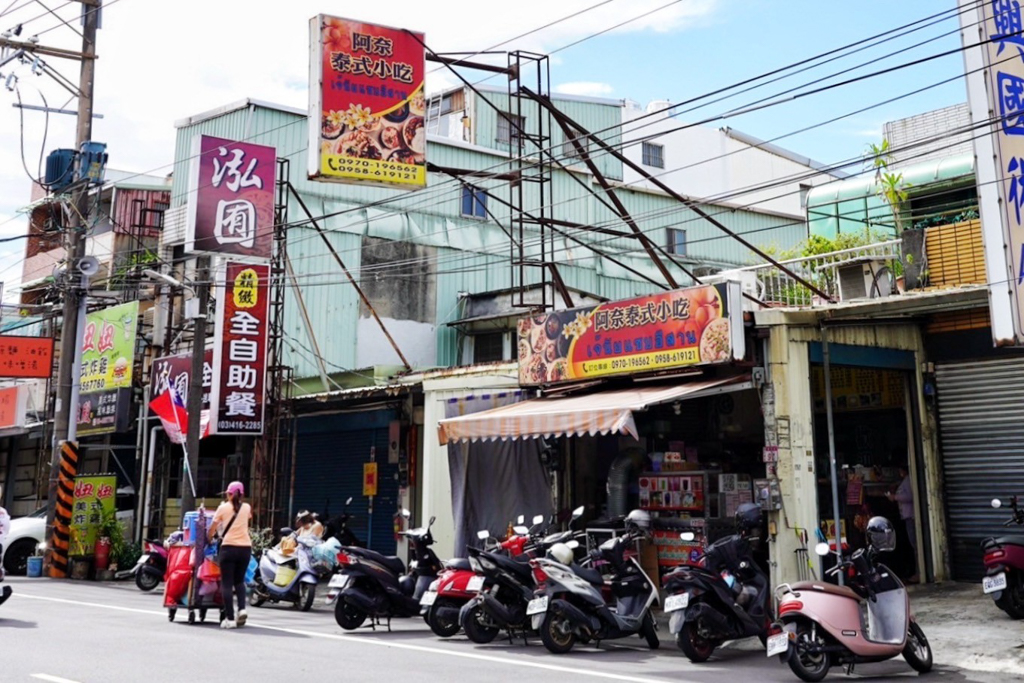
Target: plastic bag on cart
250 572
209 571
209 588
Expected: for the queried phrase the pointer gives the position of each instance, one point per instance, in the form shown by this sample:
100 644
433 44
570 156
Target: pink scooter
822 624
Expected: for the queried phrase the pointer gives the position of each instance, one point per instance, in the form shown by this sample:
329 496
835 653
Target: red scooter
458 584
1004 566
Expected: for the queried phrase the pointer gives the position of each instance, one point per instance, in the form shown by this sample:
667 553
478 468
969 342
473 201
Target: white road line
522 663
53 679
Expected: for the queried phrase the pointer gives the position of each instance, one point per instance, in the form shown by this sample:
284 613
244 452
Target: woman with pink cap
231 526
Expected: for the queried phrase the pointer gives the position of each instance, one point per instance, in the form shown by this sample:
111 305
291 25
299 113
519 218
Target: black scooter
377 586
337 527
725 599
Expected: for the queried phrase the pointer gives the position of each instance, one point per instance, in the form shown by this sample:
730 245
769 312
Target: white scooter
299 588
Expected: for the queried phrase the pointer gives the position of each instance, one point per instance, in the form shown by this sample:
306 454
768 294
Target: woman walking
231 526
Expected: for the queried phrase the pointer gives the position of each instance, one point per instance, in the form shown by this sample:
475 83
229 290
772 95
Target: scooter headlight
487 564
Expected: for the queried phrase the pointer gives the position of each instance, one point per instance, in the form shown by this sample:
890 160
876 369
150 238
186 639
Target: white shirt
5 525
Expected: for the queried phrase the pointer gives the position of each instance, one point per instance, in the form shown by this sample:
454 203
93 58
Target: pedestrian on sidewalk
904 497
231 527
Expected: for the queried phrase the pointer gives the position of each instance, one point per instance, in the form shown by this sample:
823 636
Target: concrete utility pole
195 385
69 342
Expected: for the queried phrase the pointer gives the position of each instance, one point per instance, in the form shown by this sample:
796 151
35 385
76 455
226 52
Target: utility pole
195 385
70 343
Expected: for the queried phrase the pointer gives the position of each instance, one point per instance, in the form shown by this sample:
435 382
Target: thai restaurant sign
993 43
231 198
238 397
367 112
693 326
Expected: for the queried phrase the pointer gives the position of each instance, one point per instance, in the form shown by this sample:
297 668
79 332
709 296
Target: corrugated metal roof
864 185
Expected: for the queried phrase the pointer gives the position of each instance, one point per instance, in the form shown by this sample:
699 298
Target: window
507 132
474 202
676 242
488 347
569 150
654 155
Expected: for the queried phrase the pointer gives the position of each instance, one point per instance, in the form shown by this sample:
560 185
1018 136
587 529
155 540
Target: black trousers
233 560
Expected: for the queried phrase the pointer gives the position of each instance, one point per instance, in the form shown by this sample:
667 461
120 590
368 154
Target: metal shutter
330 454
981 426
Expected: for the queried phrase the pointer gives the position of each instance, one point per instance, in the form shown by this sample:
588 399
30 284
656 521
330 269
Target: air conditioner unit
748 281
863 278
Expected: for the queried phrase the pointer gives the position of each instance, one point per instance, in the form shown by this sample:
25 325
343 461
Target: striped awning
607 412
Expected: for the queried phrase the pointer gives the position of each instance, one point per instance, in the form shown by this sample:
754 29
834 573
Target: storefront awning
608 412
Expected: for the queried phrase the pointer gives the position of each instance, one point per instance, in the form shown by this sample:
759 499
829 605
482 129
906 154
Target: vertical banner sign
369 479
13 404
93 500
231 198
367 112
240 350
108 356
176 371
994 64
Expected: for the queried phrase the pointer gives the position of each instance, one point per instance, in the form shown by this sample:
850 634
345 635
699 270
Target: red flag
169 407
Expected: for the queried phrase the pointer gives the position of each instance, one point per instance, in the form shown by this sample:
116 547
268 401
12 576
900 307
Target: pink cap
235 487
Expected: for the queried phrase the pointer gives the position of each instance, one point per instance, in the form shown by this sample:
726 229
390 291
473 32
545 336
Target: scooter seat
1010 540
395 564
588 574
824 587
459 564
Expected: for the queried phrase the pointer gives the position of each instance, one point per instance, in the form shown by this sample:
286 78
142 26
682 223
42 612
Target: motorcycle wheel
1011 601
649 632
808 666
146 581
445 628
557 634
475 628
917 651
696 647
307 593
348 617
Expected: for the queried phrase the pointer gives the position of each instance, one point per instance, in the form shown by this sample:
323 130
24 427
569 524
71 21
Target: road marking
53 679
521 663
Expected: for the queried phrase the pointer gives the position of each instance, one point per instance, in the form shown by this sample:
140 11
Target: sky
161 62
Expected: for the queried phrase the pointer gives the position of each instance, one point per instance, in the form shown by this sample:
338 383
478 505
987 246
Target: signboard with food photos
367 112
108 357
691 326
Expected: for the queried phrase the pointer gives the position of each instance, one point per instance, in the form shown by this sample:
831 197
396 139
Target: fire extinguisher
398 524
102 552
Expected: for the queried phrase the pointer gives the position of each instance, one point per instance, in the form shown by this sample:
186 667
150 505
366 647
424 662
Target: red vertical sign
240 350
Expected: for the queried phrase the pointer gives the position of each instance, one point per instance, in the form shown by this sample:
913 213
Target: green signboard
95 498
108 348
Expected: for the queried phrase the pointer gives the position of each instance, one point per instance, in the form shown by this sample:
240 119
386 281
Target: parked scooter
286 578
337 527
868 621
377 586
502 604
726 598
152 566
1004 565
570 604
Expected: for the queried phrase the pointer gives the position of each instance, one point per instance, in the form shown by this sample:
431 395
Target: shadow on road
17 623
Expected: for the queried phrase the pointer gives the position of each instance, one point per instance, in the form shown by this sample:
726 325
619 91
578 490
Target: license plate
677 602
475 584
428 598
778 644
991 584
339 581
537 606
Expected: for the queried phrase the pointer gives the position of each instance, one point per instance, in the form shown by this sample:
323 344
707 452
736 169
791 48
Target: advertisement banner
693 326
104 412
231 198
94 499
13 404
26 356
108 348
176 371
367 111
240 350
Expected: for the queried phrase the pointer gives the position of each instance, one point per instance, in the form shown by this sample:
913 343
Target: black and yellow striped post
60 535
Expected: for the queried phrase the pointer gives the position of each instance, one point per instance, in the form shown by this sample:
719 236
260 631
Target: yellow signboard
370 479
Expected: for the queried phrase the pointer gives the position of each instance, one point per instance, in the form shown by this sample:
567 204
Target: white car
26 533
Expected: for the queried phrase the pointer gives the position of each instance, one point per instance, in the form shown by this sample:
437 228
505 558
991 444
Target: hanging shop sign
369 479
692 326
94 499
13 405
173 373
238 398
108 358
231 198
994 66
367 112
104 412
26 356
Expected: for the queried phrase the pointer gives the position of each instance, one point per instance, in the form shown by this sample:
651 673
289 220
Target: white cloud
585 88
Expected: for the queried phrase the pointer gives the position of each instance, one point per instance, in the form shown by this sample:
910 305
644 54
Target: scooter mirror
688 536
572 545
406 513
578 512
483 534
521 519
538 519
349 501
996 503
521 530
432 520
822 549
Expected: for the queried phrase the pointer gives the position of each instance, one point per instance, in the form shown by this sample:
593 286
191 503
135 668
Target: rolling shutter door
981 426
329 468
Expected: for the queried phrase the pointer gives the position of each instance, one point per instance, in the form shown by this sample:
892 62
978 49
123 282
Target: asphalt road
72 632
